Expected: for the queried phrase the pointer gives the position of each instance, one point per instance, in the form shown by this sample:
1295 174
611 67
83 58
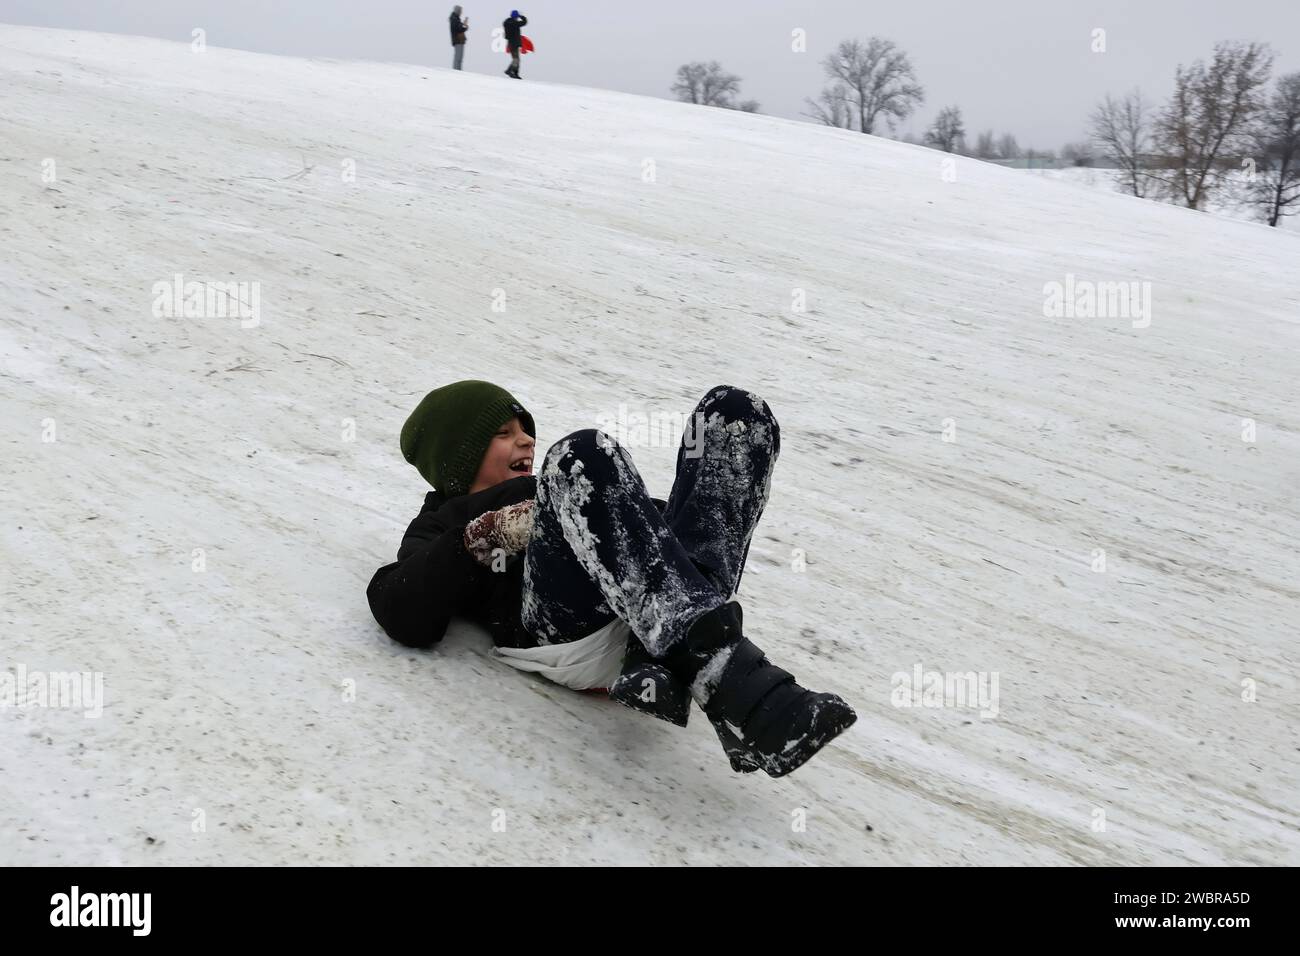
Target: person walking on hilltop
512 26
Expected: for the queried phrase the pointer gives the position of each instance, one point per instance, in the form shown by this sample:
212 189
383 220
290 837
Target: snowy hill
192 507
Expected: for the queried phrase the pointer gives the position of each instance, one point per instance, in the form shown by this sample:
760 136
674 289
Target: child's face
511 446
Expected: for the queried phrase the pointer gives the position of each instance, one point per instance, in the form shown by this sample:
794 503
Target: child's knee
591 446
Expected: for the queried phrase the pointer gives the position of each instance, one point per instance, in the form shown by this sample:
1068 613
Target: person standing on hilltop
459 27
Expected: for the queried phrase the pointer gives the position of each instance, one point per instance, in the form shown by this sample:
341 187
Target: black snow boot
763 718
648 686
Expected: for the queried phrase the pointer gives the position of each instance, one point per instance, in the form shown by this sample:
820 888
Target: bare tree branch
831 107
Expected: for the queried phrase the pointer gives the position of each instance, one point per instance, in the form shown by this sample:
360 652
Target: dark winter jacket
435 579
458 29
512 28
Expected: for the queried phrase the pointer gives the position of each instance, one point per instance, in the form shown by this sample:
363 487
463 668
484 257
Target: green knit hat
451 428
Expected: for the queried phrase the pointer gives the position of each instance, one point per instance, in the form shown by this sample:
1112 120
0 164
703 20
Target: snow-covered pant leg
724 474
600 548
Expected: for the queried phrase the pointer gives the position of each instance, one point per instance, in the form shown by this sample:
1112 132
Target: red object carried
525 45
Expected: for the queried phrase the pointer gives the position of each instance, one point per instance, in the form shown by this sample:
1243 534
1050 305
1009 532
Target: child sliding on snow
581 576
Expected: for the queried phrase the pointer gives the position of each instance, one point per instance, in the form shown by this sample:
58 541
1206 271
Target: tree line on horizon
1222 124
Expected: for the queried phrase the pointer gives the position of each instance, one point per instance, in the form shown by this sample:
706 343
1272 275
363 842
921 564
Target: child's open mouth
523 466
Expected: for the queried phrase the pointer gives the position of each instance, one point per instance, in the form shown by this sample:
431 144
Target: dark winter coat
434 578
457 31
512 28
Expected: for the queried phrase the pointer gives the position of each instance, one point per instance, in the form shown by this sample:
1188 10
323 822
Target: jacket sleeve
414 598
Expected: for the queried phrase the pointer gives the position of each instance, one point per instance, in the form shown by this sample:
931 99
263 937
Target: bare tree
831 108
1276 183
708 84
876 82
1208 118
989 145
1121 130
1078 154
947 132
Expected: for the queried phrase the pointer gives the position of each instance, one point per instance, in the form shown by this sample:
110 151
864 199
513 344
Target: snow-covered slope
230 733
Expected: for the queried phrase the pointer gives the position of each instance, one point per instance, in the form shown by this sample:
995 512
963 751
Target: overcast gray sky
1022 66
